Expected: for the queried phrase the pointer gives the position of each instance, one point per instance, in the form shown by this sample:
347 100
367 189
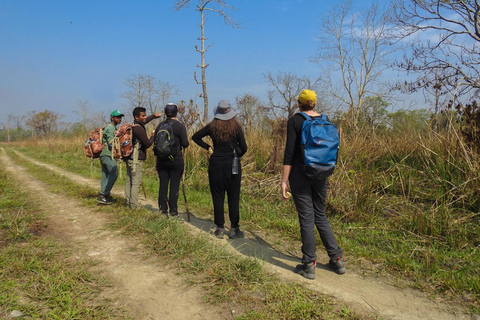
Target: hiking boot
219 233
306 270
174 213
164 213
337 265
110 200
104 200
236 233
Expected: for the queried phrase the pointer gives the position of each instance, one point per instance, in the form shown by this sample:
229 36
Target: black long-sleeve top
221 149
140 136
179 134
293 151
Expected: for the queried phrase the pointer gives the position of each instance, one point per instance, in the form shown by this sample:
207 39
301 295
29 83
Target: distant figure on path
136 160
170 167
309 195
224 170
109 165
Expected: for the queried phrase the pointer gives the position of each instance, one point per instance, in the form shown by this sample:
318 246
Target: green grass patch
38 276
227 278
400 204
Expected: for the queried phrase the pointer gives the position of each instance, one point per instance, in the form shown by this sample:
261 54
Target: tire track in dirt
141 283
363 295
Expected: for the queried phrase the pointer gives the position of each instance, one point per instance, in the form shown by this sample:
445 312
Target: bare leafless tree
166 90
444 42
89 118
354 47
188 114
84 112
16 121
219 7
251 111
147 92
136 94
287 86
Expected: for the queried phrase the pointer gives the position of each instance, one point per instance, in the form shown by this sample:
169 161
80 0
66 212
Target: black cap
171 110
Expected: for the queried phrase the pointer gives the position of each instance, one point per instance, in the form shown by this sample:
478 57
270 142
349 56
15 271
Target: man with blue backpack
310 157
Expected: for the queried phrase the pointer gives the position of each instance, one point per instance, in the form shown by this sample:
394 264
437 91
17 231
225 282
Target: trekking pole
183 189
144 192
185 197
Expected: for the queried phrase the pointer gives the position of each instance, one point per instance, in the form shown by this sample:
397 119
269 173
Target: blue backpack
319 143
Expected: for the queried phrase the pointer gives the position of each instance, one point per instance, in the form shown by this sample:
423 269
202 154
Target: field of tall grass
402 202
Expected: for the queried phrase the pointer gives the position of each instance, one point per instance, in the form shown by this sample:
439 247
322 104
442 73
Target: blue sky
56 52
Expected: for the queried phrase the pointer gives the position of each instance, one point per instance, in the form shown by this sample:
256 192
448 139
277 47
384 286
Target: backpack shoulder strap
304 115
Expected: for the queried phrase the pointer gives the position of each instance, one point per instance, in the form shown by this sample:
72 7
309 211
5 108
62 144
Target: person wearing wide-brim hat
109 165
228 141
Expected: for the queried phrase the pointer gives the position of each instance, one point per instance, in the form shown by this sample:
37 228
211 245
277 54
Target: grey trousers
109 174
133 182
309 197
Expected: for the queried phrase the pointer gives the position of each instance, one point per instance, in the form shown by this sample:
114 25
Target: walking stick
183 189
144 192
185 198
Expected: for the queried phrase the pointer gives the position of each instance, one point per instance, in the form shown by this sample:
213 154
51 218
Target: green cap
116 113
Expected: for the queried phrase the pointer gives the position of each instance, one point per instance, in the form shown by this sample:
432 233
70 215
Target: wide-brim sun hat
224 111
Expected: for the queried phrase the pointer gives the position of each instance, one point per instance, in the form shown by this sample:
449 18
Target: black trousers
223 181
170 174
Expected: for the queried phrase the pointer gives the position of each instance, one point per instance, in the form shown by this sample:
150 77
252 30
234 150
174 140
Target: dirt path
364 295
141 283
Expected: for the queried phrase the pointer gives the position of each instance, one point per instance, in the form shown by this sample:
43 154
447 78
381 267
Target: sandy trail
363 295
141 283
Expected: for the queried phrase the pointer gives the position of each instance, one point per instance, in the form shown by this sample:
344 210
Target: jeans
109 175
133 182
309 197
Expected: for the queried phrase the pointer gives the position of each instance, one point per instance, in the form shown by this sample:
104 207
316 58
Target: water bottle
235 163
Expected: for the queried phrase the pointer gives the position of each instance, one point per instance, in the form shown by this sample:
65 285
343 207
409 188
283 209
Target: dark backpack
319 142
165 147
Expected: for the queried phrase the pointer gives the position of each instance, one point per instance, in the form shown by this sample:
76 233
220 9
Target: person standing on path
136 160
309 195
228 144
170 168
109 164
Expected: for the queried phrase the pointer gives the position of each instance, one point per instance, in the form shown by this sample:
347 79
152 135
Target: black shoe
110 200
164 213
103 200
306 270
236 233
219 232
337 265
174 213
